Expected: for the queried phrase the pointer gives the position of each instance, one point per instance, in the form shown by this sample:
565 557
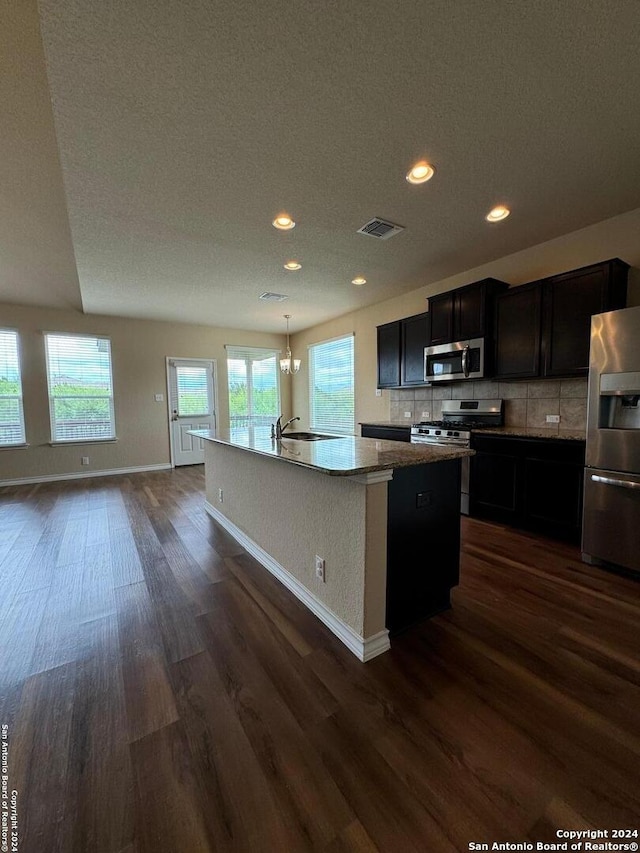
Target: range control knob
438 432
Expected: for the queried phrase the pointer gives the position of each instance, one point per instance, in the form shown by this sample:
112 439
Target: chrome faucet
278 429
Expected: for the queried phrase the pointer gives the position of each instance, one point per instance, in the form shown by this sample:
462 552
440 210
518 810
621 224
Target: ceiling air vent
273 297
380 228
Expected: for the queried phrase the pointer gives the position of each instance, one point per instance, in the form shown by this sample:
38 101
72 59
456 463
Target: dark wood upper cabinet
518 328
389 355
441 318
569 301
414 335
401 351
469 312
464 313
544 328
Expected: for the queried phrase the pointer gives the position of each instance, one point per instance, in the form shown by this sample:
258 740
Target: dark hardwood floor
164 693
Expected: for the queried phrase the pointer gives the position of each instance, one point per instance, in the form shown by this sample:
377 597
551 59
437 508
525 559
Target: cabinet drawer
388 433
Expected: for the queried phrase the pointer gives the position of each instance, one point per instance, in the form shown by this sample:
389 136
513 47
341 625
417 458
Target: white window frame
314 423
265 352
22 441
110 398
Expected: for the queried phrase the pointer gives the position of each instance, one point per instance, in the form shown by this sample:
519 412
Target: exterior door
192 405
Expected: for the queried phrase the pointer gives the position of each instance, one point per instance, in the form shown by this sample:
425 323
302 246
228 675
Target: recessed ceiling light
498 213
420 173
358 281
293 265
283 222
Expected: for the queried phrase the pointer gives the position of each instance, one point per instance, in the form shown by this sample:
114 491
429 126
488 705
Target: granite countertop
533 432
342 457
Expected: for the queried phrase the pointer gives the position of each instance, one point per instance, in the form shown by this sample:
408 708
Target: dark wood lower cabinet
423 541
391 433
535 484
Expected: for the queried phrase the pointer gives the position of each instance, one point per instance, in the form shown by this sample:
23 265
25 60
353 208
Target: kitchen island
382 516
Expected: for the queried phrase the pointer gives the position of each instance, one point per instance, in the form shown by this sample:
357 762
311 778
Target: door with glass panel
191 406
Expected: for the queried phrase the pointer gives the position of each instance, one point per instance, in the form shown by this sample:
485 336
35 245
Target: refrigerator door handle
612 481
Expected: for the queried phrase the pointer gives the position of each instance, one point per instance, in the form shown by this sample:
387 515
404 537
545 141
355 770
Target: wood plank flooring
164 693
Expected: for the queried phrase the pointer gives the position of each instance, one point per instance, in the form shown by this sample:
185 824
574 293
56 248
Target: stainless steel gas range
459 417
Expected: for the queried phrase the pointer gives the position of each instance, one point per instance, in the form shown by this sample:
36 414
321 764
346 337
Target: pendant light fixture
288 364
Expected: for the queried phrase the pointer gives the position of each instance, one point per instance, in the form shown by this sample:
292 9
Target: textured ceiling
37 264
184 128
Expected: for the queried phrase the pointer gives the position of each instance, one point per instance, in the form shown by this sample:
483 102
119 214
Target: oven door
460 360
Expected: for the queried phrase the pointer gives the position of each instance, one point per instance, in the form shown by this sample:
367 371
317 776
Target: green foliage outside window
265 401
9 388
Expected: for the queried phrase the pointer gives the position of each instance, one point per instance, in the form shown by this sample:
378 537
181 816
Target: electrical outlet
378 392
84 460
220 496
159 398
553 419
320 568
426 414
407 414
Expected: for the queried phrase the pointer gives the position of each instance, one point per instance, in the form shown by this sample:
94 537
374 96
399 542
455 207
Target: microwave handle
465 362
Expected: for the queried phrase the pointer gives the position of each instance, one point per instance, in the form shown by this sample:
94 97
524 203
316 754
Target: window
192 390
11 412
254 393
331 386
80 388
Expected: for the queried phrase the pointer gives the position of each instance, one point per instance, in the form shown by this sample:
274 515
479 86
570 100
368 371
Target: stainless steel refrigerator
611 519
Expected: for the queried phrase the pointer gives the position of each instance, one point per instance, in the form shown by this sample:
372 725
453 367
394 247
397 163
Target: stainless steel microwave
449 362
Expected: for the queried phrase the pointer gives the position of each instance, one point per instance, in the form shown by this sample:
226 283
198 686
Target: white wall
139 349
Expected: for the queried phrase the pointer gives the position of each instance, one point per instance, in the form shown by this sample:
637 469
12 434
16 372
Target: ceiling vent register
267 296
380 228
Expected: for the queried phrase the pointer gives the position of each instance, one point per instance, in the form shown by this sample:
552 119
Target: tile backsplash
526 404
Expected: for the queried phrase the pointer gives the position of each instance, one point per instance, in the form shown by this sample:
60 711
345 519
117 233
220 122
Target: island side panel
294 513
423 545
375 590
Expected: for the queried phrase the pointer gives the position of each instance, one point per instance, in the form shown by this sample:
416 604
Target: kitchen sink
308 436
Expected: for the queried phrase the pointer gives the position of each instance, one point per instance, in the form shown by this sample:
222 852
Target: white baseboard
363 648
83 475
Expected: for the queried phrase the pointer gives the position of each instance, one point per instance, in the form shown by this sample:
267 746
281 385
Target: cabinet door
469 313
415 337
569 302
441 318
389 355
517 327
535 484
423 541
493 487
552 497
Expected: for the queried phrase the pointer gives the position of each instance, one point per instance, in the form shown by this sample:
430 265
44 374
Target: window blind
80 387
192 390
331 386
254 390
11 411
